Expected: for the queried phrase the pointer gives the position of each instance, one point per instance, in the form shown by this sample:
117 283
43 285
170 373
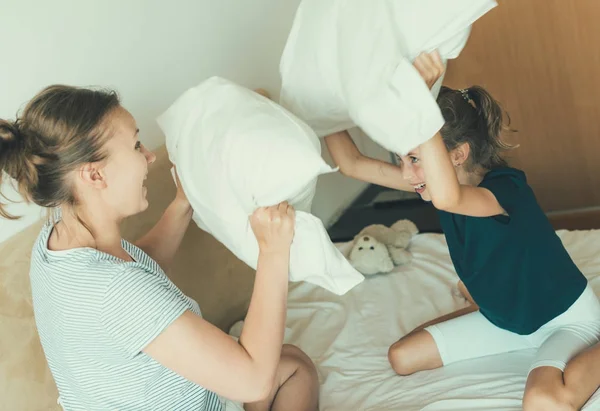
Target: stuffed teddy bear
377 248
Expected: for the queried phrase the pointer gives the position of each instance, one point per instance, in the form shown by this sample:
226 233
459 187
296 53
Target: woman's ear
460 154
92 175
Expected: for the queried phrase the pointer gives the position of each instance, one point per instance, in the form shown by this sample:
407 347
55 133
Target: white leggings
557 342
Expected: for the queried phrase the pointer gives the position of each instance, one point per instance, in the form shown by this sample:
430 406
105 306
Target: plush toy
377 248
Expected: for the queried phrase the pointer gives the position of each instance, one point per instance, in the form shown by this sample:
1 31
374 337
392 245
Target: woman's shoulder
75 264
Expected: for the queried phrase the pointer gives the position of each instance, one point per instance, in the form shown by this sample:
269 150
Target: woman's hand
274 227
430 67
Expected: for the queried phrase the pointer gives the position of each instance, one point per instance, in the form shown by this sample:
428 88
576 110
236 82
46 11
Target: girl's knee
400 358
542 399
415 352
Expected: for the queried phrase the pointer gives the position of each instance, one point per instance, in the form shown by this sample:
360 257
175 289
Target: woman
116 332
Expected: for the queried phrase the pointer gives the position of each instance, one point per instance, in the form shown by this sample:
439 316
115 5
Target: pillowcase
348 63
236 150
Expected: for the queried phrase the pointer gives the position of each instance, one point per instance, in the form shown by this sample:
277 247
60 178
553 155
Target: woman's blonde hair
60 129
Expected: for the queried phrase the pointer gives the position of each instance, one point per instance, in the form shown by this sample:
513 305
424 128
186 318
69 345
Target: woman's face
126 167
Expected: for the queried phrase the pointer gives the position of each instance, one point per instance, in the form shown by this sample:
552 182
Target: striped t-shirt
94 314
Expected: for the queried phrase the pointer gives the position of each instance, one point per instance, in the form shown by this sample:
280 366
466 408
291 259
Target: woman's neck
79 228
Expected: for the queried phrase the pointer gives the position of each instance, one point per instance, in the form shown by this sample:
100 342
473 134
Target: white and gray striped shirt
94 314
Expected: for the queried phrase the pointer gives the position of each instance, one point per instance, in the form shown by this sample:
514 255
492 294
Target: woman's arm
244 371
163 240
353 164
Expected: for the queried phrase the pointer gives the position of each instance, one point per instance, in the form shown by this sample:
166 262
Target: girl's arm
163 240
353 164
446 192
245 370
442 184
463 290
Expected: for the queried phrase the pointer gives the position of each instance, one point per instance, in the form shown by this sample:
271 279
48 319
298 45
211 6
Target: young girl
527 292
117 333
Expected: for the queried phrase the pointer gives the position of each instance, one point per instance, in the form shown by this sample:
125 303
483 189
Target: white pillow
235 151
348 63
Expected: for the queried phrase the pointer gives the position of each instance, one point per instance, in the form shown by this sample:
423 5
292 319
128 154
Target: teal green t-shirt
515 267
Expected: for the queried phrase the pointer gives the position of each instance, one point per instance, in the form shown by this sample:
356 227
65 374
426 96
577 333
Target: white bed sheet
348 336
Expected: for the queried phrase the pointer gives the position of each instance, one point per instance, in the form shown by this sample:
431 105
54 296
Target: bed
348 336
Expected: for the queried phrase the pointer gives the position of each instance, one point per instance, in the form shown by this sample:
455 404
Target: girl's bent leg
461 338
548 387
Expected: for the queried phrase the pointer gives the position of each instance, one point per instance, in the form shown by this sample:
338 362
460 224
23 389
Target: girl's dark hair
473 116
60 129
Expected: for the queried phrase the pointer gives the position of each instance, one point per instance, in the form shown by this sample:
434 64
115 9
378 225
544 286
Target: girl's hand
430 67
274 227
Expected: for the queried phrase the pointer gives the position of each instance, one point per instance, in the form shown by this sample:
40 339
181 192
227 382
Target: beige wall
541 59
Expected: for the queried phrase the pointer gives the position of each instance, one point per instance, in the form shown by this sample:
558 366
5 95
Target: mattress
348 336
